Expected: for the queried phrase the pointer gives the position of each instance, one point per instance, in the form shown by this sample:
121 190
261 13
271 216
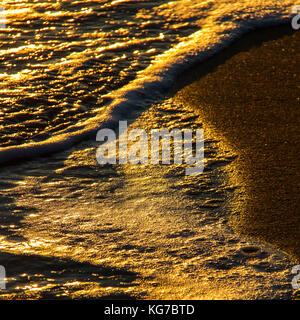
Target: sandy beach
248 96
150 232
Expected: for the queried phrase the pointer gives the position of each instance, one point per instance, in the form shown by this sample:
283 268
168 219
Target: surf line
187 146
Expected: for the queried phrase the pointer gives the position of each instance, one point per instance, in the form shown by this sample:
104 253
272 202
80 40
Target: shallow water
62 61
73 229
58 59
120 231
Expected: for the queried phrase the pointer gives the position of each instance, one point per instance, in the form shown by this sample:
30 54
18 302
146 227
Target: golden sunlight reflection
72 228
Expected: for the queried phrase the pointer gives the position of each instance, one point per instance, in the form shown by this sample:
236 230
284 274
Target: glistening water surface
70 228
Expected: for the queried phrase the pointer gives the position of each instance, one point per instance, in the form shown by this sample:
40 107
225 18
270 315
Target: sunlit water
58 59
61 61
90 231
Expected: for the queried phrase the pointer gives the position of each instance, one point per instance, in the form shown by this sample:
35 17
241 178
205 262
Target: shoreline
140 232
247 96
122 103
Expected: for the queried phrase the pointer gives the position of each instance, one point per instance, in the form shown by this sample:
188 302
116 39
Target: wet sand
72 229
248 97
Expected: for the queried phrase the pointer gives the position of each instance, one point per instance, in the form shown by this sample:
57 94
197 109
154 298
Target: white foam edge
150 84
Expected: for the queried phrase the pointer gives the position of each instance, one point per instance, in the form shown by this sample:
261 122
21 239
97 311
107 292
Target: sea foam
220 23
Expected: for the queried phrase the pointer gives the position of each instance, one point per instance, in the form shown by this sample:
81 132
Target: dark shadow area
245 43
54 278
